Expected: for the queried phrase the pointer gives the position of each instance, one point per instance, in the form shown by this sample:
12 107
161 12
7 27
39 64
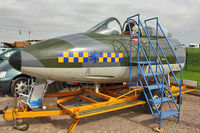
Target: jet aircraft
100 55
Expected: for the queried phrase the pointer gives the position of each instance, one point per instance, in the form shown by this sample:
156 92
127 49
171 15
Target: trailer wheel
156 94
21 125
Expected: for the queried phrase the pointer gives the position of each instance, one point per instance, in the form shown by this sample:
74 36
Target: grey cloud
50 18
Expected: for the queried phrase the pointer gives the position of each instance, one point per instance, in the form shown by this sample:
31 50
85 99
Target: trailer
107 100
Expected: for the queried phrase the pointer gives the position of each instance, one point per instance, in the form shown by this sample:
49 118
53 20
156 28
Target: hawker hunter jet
100 55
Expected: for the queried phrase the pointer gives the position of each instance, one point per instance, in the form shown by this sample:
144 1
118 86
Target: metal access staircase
156 72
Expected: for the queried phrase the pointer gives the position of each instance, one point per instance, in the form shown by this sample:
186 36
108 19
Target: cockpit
112 26
107 27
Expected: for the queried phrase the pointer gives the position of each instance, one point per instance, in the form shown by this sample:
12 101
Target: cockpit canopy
107 27
112 26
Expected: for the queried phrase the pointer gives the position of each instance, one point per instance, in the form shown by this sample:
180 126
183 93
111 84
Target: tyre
20 85
21 125
156 94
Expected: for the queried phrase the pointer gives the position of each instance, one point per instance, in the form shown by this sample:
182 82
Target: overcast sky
51 18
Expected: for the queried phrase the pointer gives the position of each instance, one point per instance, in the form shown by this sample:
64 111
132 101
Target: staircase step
144 62
150 74
132 84
167 113
152 38
154 87
158 100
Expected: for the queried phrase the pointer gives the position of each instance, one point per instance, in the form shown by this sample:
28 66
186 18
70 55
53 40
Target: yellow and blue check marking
83 57
110 57
72 57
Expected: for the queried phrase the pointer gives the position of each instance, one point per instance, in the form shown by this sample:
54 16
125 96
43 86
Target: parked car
11 79
2 49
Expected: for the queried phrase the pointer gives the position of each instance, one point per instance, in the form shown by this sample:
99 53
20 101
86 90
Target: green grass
190 75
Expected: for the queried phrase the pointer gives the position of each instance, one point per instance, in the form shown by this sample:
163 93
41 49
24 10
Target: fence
192 60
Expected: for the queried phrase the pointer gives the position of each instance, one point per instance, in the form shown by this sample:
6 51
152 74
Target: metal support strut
75 122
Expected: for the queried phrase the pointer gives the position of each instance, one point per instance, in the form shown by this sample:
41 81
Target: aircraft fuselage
89 57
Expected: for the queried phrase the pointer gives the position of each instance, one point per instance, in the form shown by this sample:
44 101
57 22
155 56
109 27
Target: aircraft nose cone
15 60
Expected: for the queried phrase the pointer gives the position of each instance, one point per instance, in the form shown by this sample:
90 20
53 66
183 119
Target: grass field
190 75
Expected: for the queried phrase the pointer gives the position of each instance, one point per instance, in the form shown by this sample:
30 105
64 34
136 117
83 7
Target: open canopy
112 26
107 27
